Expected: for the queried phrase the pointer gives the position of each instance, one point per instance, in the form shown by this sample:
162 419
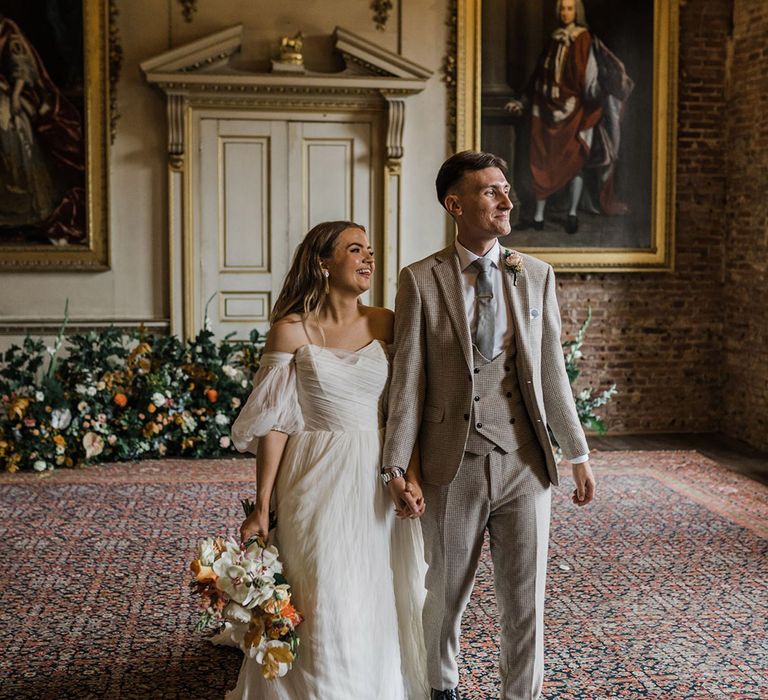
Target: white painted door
263 183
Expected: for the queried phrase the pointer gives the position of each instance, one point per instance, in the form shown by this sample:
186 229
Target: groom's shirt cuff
580 459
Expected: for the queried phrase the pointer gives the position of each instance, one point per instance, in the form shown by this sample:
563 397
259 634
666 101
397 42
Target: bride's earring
327 274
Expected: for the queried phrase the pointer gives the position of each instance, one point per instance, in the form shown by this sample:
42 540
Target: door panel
263 183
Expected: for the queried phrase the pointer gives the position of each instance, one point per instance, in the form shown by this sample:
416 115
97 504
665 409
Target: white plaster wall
136 286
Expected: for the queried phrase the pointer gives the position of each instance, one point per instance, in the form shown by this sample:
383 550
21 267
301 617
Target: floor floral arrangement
113 396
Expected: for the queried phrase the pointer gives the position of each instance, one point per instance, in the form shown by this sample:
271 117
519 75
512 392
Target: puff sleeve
272 405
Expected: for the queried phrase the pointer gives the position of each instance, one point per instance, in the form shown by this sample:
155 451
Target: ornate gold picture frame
54 129
584 109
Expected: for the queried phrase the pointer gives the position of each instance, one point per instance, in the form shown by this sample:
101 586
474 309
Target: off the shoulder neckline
372 343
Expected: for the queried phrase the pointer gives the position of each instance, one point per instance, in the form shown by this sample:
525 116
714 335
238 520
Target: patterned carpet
658 590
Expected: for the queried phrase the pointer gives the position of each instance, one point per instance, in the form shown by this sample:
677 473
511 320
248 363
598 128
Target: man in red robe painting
576 97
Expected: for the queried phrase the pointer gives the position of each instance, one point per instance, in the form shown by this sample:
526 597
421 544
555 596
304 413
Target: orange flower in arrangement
212 395
292 615
202 573
59 440
278 629
12 463
120 400
151 408
17 407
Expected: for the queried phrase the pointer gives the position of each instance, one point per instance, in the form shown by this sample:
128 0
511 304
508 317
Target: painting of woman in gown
42 164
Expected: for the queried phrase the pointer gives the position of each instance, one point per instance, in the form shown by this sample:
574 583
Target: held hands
585 483
407 497
514 107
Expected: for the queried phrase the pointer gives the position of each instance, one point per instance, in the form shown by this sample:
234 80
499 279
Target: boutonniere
513 262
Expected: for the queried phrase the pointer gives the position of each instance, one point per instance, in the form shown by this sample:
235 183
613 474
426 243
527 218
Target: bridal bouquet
243 592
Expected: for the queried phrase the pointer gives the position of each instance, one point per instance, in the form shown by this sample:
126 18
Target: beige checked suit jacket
431 386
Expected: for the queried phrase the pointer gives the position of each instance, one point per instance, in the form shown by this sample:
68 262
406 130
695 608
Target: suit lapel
517 297
448 276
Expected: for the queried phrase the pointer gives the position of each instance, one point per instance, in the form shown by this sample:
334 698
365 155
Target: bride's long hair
305 287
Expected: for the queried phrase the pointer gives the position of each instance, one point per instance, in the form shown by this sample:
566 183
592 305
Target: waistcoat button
511 420
506 368
479 425
477 370
477 398
509 394
466 416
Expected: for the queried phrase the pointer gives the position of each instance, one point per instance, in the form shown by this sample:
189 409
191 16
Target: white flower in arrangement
266 559
262 591
244 383
158 399
236 402
40 465
236 613
274 655
91 391
80 388
224 442
82 407
61 418
189 423
101 386
60 449
221 419
206 552
39 396
51 351
93 444
230 371
235 575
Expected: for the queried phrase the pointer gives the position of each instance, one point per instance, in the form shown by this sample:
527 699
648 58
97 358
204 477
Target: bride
315 421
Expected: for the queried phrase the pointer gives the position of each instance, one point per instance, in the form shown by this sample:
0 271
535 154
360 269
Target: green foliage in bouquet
586 402
115 397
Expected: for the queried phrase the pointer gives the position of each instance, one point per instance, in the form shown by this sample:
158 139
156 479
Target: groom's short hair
459 163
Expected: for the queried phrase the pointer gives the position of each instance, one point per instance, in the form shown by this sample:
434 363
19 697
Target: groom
477 377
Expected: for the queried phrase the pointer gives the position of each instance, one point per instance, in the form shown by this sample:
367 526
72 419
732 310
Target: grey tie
485 308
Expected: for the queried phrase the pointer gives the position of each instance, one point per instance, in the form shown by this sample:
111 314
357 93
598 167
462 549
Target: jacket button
506 368
512 420
477 398
509 394
477 370
479 425
466 416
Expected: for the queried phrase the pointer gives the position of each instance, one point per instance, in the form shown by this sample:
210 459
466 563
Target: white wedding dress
356 572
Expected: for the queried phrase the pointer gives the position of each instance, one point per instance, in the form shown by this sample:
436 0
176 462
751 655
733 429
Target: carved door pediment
202 75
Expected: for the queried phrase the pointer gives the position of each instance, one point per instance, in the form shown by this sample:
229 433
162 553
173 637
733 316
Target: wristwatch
391 473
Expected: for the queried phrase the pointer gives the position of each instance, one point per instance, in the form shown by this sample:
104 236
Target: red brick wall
745 321
659 336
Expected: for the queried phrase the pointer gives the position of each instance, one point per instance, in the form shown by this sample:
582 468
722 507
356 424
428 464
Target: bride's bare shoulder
286 335
381 322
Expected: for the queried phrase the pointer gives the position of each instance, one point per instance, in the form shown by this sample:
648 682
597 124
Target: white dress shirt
503 327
